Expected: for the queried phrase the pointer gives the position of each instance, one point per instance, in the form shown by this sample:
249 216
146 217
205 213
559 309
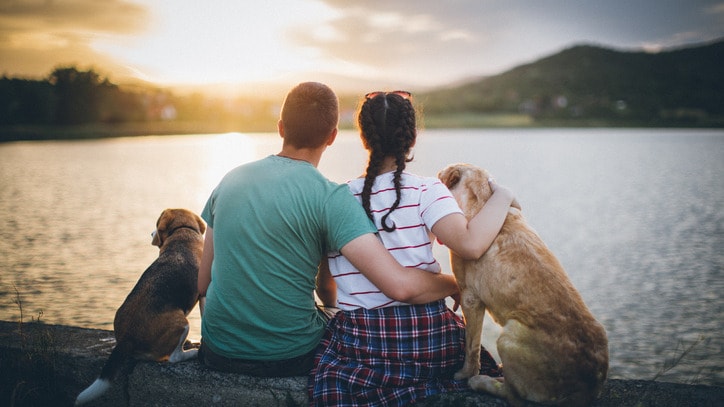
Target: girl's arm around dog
471 239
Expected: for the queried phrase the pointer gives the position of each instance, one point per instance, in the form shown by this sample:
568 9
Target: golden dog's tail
119 360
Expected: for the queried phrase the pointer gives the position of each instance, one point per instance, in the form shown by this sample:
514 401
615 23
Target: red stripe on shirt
409 247
437 200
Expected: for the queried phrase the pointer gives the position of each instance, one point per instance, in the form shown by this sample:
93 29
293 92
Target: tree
26 102
79 95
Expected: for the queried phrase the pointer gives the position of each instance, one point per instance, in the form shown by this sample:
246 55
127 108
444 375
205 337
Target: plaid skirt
389 356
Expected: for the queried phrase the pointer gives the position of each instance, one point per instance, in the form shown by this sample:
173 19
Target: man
270 222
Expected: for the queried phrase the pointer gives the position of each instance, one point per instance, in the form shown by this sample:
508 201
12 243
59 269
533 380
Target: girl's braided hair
387 127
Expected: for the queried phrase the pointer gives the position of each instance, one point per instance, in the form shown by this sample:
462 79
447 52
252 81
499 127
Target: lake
636 216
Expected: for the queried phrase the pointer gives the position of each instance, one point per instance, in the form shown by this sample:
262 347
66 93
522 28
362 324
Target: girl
377 351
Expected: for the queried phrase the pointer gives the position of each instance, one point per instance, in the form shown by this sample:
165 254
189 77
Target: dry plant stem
673 362
20 306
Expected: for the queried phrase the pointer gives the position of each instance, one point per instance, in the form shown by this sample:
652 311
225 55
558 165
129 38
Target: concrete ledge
50 364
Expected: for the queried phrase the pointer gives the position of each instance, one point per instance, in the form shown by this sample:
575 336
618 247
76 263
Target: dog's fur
552 348
151 323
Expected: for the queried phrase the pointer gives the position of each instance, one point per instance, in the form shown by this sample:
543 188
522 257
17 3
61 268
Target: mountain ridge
589 81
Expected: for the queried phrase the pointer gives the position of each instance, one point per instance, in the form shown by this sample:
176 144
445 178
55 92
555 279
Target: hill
591 84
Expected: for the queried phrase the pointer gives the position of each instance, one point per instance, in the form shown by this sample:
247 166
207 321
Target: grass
30 379
477 120
100 130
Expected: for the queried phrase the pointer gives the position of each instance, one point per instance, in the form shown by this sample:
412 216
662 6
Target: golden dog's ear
450 176
481 178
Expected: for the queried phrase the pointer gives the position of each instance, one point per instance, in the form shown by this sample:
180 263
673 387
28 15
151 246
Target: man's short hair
309 115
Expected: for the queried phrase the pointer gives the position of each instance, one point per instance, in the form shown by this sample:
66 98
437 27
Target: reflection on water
635 216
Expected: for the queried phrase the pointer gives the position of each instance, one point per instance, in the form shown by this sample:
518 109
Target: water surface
635 216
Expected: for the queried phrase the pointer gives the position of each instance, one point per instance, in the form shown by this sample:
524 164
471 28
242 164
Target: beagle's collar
182 227
155 231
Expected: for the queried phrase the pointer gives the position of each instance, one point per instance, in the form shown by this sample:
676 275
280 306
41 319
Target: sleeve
436 202
345 219
207 214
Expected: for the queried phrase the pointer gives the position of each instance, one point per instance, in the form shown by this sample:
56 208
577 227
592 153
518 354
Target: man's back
272 220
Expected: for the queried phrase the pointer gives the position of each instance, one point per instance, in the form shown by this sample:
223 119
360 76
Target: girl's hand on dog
501 189
456 303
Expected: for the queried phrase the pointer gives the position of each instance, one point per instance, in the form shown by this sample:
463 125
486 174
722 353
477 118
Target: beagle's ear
202 225
156 241
161 225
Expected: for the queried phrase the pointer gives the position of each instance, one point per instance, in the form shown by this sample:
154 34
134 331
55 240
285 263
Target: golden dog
151 323
552 348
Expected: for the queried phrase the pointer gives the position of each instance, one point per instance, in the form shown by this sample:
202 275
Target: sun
190 42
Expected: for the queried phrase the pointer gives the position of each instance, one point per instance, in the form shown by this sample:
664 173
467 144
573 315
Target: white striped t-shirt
424 201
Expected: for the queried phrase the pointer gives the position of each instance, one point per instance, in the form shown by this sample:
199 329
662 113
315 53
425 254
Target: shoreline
50 364
9 133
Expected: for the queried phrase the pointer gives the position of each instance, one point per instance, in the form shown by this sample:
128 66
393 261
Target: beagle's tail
114 365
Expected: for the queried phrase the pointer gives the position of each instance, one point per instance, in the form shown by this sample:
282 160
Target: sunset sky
413 43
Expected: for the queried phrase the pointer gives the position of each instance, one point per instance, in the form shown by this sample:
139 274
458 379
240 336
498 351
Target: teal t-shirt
272 220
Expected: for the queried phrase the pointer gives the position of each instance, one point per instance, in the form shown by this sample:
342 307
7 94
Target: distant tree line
69 96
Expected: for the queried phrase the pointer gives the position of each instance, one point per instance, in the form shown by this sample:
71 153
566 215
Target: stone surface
43 365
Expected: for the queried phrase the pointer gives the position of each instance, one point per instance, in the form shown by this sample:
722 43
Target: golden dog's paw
466 373
487 384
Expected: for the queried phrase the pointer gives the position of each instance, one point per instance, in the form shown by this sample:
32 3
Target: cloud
117 16
430 41
717 9
409 42
37 35
379 36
